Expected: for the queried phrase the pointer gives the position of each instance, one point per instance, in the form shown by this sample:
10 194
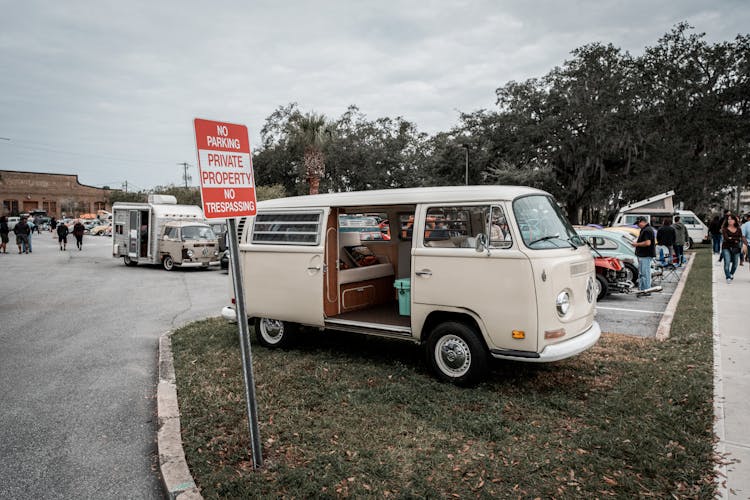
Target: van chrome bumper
555 352
198 264
229 314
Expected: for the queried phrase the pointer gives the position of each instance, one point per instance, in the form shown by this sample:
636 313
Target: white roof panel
407 196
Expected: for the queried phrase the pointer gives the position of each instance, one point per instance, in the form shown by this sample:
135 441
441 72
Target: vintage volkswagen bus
468 272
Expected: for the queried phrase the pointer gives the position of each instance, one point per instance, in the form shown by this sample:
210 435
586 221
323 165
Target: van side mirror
481 244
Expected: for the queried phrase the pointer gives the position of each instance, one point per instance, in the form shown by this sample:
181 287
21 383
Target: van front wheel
129 262
167 263
456 354
274 333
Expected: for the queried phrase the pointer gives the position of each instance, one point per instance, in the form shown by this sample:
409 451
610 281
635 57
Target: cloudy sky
108 90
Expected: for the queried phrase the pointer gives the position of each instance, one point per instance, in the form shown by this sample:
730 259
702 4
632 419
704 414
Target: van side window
688 220
454 226
406 222
500 236
287 228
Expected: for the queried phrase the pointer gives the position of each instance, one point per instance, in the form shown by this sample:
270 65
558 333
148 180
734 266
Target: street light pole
466 148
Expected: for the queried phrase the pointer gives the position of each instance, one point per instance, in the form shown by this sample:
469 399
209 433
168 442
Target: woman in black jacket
4 230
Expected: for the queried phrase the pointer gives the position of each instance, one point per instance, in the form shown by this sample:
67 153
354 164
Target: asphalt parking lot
639 316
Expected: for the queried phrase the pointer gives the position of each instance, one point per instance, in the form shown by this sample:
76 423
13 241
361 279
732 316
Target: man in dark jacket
666 236
22 231
62 235
645 250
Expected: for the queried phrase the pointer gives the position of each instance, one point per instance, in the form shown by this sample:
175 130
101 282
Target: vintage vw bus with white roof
468 272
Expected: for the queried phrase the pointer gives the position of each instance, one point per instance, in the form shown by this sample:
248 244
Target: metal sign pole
247 356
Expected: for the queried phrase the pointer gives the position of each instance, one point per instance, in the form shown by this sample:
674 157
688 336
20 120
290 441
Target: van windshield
197 233
543 225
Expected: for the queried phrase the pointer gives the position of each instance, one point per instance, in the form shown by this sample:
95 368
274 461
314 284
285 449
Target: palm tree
312 131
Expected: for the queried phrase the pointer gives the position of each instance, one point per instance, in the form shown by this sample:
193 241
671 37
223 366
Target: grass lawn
347 415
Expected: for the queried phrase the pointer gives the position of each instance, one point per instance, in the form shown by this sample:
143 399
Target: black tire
167 263
601 287
632 271
129 262
274 333
456 354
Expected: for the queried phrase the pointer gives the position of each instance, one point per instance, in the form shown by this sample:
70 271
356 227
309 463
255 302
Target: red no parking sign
228 191
226 169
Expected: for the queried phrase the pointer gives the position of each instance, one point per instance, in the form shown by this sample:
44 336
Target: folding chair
665 264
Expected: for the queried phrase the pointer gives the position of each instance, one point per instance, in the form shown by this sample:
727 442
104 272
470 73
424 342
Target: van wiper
552 237
545 238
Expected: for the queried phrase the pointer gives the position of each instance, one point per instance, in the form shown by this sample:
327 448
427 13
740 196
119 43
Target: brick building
58 194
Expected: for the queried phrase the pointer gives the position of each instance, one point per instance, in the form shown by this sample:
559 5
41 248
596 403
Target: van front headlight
190 253
563 303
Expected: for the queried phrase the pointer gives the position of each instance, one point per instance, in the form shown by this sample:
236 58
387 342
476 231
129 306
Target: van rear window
287 228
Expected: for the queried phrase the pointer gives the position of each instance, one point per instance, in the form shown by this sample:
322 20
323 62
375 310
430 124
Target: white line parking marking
629 310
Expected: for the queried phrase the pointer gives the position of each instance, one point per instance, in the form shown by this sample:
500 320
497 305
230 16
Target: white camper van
469 272
163 232
655 209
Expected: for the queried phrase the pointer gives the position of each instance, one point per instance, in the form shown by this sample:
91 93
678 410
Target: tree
312 131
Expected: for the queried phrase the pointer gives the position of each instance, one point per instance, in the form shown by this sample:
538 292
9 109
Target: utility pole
125 185
185 176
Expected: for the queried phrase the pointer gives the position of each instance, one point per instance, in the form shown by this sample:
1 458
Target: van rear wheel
129 262
456 354
167 263
274 333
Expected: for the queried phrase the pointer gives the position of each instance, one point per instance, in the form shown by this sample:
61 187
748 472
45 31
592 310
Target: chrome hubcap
453 355
272 330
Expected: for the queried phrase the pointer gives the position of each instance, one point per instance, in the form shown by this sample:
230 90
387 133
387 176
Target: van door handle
313 268
423 272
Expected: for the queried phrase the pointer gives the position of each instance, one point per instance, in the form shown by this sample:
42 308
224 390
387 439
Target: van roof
405 196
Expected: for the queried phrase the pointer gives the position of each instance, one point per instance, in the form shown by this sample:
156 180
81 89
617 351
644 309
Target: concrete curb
175 474
665 325
720 450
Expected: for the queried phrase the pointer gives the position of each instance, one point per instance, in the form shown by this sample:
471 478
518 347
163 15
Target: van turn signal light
519 334
554 334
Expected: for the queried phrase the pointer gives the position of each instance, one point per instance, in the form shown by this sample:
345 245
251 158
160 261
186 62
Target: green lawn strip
350 415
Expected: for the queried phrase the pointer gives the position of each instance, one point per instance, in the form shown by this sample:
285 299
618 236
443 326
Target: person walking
666 236
746 235
78 231
22 230
714 228
4 230
680 238
645 250
32 226
731 245
62 236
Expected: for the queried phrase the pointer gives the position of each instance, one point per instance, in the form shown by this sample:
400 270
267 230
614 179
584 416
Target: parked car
101 230
611 277
12 221
89 225
612 244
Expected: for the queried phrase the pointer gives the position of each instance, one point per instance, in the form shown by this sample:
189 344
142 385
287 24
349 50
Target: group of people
24 229
730 241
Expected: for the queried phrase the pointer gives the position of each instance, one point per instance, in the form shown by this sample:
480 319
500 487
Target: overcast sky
109 90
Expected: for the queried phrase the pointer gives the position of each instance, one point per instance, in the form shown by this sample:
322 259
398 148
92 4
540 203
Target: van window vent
581 268
287 228
240 227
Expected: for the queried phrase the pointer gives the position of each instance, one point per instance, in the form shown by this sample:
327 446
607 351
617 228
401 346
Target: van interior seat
354 273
